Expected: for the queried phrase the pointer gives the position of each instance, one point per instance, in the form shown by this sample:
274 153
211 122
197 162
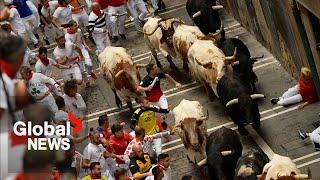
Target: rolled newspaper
154 81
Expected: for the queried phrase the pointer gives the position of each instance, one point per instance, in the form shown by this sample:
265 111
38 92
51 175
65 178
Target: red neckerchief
98 13
20 176
69 31
10 6
93 177
7 69
44 61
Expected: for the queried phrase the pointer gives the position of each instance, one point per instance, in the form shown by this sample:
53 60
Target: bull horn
257 96
233 56
202 162
150 33
232 102
217 7
205 117
226 153
259 176
197 14
301 176
119 73
206 64
218 31
141 65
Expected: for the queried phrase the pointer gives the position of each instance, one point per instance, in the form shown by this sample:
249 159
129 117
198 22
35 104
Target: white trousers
108 22
50 103
30 24
50 31
82 19
315 136
154 4
102 41
157 146
71 73
135 5
117 23
291 96
162 102
86 56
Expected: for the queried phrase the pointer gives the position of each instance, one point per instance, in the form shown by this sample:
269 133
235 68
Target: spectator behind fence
121 174
95 172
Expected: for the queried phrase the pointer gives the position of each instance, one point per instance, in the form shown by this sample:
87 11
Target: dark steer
250 165
205 15
223 151
244 62
239 100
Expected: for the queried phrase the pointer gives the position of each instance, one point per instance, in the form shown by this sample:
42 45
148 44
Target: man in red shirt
119 142
154 93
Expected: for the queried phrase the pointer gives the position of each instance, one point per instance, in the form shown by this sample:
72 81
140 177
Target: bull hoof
173 67
119 103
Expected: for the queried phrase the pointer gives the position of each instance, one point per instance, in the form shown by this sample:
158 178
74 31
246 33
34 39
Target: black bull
209 20
222 166
239 100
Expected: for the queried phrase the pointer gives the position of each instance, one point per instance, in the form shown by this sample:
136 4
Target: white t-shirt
69 51
63 15
61 116
16 21
94 153
74 38
46 70
167 174
75 105
37 85
52 6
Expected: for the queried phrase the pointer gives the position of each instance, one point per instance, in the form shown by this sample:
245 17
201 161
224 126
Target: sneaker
131 19
302 135
317 146
274 100
123 36
114 39
93 75
46 41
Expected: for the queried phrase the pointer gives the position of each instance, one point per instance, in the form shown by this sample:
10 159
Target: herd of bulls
225 68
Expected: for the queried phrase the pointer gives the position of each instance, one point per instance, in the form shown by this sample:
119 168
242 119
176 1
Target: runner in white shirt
62 15
95 152
44 64
47 10
36 83
74 35
73 100
68 54
17 23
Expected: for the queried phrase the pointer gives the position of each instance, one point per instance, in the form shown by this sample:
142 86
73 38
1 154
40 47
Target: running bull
282 168
239 100
184 37
204 14
158 35
192 128
223 151
208 64
250 165
120 73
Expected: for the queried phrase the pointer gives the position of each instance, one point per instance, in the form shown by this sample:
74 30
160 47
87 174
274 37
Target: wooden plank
312 6
254 22
266 40
311 38
244 16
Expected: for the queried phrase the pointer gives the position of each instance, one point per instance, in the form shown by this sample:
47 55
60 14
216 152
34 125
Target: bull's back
184 36
112 56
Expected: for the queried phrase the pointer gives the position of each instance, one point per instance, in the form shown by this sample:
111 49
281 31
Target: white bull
158 35
121 73
192 128
183 38
281 167
208 64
